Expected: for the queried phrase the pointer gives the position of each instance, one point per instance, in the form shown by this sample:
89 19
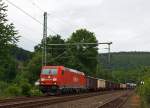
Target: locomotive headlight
42 79
54 79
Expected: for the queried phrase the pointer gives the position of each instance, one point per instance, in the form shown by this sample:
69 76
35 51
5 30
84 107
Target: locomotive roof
75 71
72 70
96 78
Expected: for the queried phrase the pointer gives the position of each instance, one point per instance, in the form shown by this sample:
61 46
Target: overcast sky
124 22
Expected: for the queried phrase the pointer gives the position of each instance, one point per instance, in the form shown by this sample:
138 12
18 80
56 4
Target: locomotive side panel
71 79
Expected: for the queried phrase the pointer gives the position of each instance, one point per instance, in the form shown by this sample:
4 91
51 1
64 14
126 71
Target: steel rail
49 101
116 102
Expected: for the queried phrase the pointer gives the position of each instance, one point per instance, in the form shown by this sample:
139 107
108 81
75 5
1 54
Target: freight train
59 80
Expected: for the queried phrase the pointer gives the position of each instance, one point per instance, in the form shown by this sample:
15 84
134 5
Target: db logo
75 79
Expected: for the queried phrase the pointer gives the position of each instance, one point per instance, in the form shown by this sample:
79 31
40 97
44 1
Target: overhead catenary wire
58 56
59 19
41 23
24 12
51 13
109 43
29 15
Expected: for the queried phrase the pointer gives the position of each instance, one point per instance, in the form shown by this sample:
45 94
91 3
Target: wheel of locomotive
53 90
44 89
58 92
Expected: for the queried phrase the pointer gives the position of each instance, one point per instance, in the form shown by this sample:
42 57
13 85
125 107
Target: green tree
54 53
83 57
8 38
7 32
53 57
33 69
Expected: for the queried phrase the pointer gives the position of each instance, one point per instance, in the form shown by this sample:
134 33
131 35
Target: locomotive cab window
49 71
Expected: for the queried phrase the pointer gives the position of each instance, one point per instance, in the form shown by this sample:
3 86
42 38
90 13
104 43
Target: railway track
35 102
19 99
116 102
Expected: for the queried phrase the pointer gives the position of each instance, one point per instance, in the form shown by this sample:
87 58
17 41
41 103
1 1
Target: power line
58 56
109 43
42 10
28 15
62 20
50 13
24 12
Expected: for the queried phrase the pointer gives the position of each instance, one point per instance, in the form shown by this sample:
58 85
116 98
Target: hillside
119 60
20 54
126 60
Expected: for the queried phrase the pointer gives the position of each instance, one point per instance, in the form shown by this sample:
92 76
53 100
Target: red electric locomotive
58 79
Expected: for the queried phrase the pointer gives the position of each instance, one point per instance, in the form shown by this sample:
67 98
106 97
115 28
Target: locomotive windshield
49 71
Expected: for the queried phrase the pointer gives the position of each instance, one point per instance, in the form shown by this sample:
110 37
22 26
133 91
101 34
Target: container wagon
123 86
109 85
101 84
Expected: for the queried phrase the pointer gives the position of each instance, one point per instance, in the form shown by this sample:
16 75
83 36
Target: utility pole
109 53
109 56
109 59
44 55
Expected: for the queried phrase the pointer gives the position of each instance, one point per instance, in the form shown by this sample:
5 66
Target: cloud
125 22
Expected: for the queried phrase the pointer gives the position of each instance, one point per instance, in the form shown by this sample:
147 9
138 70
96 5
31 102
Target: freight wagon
116 86
109 85
101 84
123 86
91 83
131 85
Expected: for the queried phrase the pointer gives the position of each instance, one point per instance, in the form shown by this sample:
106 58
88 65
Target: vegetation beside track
143 91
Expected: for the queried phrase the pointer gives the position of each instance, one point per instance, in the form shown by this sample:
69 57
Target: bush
20 78
36 92
26 89
146 90
13 90
22 88
3 86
